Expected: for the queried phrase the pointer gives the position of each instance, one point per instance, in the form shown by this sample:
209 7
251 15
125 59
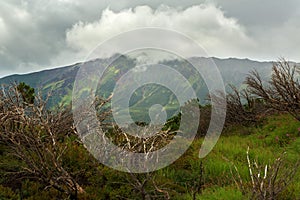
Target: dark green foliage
173 123
27 92
6 193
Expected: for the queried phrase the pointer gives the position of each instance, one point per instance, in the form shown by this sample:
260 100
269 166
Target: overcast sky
40 34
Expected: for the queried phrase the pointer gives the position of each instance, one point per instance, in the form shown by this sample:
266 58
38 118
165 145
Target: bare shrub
204 120
243 108
282 91
32 134
268 181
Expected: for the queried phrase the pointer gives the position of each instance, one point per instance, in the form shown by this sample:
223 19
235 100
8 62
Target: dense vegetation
257 156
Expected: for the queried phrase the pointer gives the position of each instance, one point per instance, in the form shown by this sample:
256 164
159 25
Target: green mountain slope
60 81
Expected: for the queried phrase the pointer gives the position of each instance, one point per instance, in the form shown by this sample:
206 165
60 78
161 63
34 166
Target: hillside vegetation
210 178
256 157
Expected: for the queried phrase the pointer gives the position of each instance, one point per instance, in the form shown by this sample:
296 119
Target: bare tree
242 107
282 91
143 184
197 184
267 180
32 134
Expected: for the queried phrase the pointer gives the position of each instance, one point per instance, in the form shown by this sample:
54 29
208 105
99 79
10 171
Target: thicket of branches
33 135
242 107
282 91
260 98
268 181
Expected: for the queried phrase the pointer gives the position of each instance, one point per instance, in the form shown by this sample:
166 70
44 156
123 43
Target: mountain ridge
60 80
79 63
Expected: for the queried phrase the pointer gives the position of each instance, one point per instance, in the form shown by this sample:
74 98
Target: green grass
54 85
220 193
266 143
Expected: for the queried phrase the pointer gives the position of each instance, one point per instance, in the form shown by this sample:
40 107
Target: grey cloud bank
35 35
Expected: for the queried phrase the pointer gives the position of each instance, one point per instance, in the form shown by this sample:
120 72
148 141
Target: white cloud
204 23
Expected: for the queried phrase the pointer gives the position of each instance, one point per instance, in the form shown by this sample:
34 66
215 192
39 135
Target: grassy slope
278 134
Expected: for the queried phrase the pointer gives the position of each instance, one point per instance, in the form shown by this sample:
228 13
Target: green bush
7 194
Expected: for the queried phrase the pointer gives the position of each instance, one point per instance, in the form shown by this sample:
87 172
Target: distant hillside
60 80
